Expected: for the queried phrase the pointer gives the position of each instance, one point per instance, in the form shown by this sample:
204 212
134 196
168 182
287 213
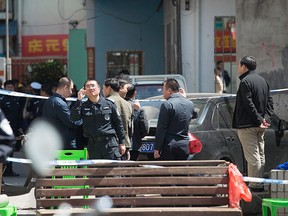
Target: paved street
25 203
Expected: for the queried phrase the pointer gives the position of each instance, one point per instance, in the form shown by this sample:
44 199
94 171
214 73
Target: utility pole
7 65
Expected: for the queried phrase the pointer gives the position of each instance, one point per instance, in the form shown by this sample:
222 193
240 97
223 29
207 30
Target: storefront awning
12 28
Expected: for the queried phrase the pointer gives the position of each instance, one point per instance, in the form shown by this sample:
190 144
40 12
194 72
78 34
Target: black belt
101 138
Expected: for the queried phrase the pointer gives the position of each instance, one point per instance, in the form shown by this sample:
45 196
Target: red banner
44 45
224 42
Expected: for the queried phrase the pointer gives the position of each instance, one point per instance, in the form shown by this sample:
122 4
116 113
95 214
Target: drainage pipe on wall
179 41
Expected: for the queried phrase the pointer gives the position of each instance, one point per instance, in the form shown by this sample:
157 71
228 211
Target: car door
222 121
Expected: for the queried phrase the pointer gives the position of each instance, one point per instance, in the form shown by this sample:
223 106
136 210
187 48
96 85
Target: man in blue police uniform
102 123
172 140
12 108
7 138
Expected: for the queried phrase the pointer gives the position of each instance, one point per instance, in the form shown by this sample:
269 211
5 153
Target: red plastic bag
237 187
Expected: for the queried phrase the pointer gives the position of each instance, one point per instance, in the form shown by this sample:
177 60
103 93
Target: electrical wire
128 21
59 12
91 18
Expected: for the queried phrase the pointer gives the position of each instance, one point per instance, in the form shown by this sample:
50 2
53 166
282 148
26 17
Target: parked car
151 85
213 128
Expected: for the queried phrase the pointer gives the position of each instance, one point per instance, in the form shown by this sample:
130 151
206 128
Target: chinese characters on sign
224 42
44 45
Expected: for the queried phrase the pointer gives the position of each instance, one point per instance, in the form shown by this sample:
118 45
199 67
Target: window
124 60
225 47
223 115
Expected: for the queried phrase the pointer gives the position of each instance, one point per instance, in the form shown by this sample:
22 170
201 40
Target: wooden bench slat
164 211
181 190
134 181
109 163
139 201
139 171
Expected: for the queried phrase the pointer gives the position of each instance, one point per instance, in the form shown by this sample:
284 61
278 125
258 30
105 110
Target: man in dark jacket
139 122
56 111
172 140
253 109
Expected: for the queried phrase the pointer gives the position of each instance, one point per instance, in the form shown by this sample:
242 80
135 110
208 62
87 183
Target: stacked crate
280 190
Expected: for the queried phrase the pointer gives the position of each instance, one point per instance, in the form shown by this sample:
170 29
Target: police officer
7 138
12 108
111 90
172 141
34 103
102 123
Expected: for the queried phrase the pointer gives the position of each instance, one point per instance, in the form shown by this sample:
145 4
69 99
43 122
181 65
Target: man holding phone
102 123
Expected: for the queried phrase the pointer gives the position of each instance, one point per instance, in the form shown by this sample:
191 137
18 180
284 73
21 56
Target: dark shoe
13 174
258 189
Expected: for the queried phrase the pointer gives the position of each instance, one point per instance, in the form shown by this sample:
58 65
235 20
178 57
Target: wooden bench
162 188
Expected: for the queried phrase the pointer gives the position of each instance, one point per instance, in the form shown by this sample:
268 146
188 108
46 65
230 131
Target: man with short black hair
56 111
102 123
172 140
12 108
139 121
254 105
111 88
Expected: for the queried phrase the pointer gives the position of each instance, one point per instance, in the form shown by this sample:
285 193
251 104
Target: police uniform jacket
125 110
99 119
12 108
57 112
253 101
7 138
173 122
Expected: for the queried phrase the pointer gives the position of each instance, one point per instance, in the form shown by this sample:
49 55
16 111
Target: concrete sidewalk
26 204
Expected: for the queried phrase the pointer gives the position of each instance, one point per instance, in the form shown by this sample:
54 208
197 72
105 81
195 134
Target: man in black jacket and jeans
253 106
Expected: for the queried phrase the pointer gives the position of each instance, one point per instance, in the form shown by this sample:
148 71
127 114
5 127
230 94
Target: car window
223 114
148 90
152 108
199 104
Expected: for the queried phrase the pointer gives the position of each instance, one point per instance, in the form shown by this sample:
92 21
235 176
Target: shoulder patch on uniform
110 99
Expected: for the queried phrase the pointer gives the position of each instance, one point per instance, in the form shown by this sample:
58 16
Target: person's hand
81 94
128 155
122 148
182 91
156 154
264 124
136 105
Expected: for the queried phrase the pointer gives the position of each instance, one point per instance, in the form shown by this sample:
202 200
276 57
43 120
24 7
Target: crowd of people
111 124
110 130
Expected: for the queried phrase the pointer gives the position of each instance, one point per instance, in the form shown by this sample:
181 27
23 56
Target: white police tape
279 90
263 180
91 162
20 94
69 162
